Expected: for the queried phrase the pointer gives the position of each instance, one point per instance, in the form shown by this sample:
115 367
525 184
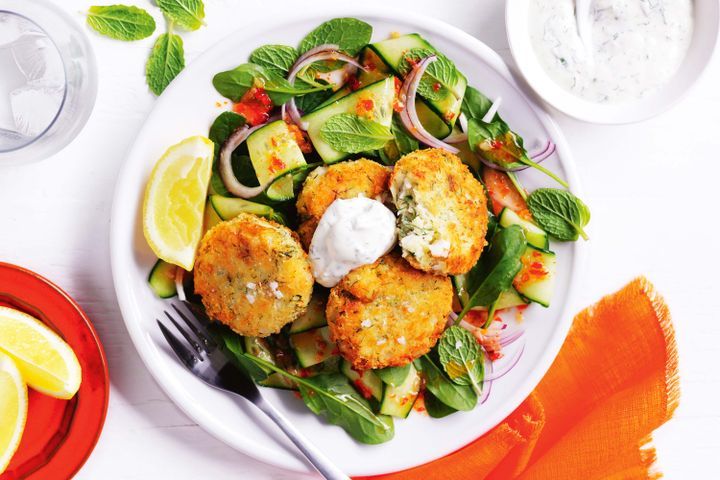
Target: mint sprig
121 22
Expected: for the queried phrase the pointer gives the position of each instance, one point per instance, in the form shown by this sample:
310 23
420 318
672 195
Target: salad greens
393 376
188 14
166 60
121 22
233 84
461 357
440 76
350 34
351 133
458 397
220 130
559 212
277 58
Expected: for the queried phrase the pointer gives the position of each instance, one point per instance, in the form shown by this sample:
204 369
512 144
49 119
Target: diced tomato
353 83
255 106
503 193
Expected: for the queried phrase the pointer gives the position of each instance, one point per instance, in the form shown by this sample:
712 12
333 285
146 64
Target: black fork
197 350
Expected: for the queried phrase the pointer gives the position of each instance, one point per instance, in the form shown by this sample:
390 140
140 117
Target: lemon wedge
13 409
45 361
175 201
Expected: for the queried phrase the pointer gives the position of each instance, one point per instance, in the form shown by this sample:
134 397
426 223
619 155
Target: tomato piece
503 193
255 106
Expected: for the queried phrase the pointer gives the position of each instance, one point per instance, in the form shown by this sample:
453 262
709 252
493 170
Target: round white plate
187 108
706 20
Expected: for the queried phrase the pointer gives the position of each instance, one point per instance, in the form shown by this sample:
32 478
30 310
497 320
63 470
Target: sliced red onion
226 172
487 384
548 150
289 110
456 137
179 283
409 116
338 77
490 114
507 338
509 365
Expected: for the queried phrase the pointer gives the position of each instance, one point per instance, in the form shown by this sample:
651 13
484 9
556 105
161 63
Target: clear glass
48 80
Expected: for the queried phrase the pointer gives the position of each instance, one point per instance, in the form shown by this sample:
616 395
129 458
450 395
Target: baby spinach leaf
559 212
233 344
234 83
393 376
402 143
351 133
166 60
189 14
459 397
279 58
333 395
461 357
350 34
496 269
121 22
220 130
434 407
475 104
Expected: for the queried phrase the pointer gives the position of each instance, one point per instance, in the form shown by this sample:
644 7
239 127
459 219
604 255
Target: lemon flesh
44 360
174 202
13 409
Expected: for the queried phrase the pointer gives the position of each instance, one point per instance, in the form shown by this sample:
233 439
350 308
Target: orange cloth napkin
591 417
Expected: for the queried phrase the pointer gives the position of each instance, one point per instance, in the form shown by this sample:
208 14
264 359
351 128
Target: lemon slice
13 409
175 201
45 361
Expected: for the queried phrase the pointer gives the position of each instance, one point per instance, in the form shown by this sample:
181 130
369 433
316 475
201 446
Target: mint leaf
458 397
461 357
496 269
350 34
166 60
189 14
233 84
439 76
350 133
121 22
279 58
559 212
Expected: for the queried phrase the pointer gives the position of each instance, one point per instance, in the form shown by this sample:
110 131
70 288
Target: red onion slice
490 114
227 175
409 116
508 366
508 338
487 384
179 283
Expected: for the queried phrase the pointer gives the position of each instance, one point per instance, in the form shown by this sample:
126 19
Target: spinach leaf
393 376
439 76
434 407
461 357
121 22
233 84
402 143
189 14
459 397
496 269
350 34
166 60
309 102
475 104
233 344
559 212
220 130
351 133
278 58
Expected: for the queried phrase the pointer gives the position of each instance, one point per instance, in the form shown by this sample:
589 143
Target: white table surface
652 188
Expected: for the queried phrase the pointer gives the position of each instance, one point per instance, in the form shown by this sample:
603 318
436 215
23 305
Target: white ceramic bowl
705 36
187 108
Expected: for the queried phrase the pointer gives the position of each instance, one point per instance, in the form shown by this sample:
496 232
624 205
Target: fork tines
198 338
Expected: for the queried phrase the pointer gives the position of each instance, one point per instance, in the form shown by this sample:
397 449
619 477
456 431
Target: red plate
60 434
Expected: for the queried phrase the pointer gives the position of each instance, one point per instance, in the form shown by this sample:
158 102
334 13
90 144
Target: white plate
706 18
187 108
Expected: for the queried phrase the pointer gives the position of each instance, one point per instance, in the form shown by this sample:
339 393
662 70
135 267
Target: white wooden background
652 188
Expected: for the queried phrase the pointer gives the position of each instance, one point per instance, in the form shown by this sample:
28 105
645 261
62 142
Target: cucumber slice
273 150
535 235
259 348
398 401
391 52
312 346
313 317
228 208
277 380
366 382
536 280
381 93
162 279
393 376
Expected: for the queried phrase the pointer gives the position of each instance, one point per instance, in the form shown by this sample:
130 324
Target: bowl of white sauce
635 59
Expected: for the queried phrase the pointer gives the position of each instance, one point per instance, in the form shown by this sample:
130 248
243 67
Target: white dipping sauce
636 46
351 233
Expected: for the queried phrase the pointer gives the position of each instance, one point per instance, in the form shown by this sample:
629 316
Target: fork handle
318 459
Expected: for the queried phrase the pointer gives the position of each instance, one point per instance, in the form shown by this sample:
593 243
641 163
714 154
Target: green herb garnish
279 58
559 212
188 14
121 22
350 34
166 60
461 357
350 133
